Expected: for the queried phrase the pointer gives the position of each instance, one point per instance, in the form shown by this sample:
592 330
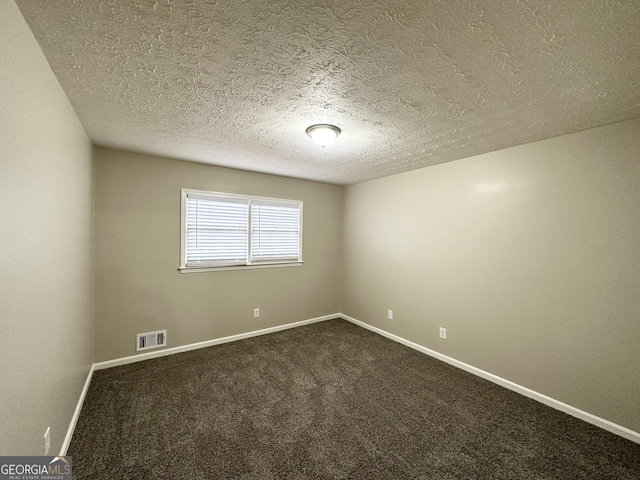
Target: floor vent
148 340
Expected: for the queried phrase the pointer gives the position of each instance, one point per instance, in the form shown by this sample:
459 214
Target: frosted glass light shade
323 134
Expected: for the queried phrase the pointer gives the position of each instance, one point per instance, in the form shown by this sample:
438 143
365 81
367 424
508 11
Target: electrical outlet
390 314
443 333
256 312
47 441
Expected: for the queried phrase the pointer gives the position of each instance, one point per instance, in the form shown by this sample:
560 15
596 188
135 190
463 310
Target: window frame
247 199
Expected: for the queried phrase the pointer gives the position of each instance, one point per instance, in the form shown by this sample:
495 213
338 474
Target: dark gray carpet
328 400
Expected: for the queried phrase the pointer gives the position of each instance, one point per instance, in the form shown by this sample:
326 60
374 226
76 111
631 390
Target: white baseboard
209 343
551 402
76 414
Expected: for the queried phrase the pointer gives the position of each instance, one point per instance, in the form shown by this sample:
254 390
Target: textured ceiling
410 83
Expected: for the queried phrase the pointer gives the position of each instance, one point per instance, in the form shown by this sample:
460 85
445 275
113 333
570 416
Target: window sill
239 267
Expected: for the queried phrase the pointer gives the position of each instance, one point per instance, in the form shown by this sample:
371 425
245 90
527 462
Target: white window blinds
216 232
275 231
222 230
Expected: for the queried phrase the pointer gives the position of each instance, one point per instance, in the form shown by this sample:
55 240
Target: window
223 231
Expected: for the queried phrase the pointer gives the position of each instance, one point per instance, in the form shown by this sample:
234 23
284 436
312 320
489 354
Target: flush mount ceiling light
323 134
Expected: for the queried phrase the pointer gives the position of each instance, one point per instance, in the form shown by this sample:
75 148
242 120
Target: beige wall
138 286
45 246
529 256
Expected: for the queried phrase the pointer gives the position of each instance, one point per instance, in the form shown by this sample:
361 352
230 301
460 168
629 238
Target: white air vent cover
145 341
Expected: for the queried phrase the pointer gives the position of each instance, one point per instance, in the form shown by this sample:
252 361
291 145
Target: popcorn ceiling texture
411 84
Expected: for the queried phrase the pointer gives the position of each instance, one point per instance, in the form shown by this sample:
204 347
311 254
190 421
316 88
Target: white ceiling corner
411 84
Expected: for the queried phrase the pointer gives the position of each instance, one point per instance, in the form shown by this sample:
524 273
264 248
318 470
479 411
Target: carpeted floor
328 400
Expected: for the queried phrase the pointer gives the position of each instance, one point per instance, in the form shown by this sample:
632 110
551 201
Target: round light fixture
323 134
